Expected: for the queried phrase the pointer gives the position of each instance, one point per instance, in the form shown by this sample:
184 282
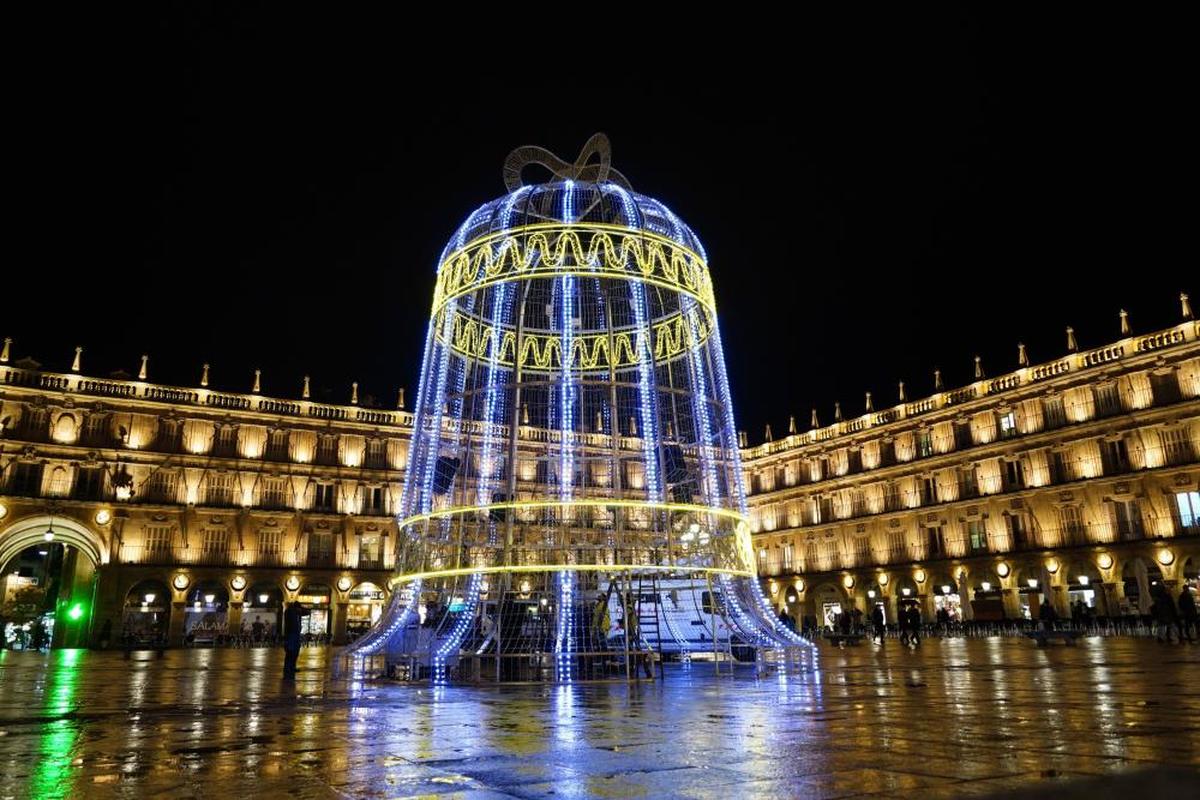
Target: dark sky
876 199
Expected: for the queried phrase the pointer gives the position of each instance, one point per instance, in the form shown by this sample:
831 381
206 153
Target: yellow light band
463 571
585 503
611 251
474 338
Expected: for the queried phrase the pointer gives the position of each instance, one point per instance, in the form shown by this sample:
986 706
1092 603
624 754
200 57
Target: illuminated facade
582 311
184 512
1070 480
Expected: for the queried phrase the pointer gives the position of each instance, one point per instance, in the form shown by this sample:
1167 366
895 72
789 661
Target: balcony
321 559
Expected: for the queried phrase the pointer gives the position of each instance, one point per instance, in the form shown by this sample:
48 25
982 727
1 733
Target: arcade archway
47 582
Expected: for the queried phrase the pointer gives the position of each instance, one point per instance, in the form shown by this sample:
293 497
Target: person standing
1187 614
291 638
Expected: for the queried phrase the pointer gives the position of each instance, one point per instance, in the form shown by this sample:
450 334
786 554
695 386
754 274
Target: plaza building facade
187 513
1071 480
182 514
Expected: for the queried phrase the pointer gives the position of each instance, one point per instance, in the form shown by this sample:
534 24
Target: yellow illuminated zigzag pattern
473 338
587 249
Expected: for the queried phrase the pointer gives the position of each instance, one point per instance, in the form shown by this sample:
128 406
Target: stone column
340 611
233 619
891 608
109 606
175 630
1012 603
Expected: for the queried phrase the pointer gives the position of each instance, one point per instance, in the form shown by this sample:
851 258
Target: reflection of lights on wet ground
51 776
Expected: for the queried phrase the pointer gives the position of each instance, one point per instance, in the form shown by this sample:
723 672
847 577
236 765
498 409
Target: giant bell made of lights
574 460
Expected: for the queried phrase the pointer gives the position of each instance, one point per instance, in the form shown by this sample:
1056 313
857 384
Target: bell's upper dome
574 202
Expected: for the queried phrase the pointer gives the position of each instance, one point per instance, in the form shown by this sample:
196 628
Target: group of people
1169 617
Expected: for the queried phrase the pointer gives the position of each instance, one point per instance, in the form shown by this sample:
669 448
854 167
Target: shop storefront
875 600
366 606
316 598
262 612
987 600
1138 576
206 614
146 617
947 603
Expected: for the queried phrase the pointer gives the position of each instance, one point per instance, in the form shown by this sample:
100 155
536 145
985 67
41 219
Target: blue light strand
462 625
768 623
647 391
564 641
397 618
436 411
563 644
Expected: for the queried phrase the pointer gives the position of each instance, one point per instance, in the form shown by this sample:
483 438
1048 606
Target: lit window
1008 424
1189 508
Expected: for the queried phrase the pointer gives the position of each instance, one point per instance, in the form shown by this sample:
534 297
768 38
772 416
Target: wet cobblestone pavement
958 718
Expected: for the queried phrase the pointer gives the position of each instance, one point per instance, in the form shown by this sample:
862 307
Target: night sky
264 193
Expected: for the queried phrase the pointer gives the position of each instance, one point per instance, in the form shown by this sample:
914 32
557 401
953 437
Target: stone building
1071 480
183 512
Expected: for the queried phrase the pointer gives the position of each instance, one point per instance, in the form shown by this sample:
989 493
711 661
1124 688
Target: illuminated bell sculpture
574 455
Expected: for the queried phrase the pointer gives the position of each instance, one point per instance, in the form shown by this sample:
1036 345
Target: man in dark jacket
1187 613
291 638
877 622
1165 614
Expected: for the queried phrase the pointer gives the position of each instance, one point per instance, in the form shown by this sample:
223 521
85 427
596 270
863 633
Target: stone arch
28 531
1137 575
827 593
1189 568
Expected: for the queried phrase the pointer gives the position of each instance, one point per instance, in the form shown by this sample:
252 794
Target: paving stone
955 718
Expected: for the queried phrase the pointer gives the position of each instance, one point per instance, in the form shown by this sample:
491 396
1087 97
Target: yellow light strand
514 568
473 338
582 503
543 250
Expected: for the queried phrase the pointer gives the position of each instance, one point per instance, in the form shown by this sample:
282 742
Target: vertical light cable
566 465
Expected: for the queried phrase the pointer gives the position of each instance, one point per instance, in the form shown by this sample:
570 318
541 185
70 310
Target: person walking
1165 614
905 624
291 638
914 625
877 622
